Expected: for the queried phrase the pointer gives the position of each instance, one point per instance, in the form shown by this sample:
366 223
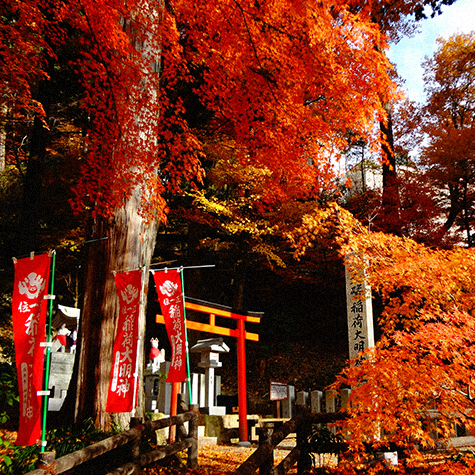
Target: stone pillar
330 401
360 314
151 388
287 404
316 401
302 399
209 387
164 390
202 391
195 388
345 394
217 388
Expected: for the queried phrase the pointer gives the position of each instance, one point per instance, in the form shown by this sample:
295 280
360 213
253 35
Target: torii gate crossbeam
241 334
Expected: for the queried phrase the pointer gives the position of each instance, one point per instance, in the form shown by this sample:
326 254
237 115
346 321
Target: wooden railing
132 437
263 457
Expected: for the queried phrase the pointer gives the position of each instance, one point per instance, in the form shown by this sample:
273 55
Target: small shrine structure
240 333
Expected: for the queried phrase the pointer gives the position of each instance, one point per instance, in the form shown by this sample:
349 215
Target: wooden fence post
135 446
193 434
303 431
45 459
49 464
268 463
304 462
181 408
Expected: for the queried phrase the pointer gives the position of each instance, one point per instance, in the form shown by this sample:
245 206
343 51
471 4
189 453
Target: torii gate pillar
242 383
241 334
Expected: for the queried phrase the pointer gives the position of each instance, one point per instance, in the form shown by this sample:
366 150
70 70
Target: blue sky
409 53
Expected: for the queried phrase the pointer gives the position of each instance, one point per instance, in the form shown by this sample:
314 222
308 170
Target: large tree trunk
241 267
390 186
33 182
129 245
466 212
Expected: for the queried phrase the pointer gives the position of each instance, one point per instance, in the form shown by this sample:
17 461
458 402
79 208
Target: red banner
29 324
122 395
170 295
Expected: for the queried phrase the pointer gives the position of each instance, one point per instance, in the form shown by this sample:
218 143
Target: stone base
213 410
243 443
465 441
55 404
203 441
161 434
231 421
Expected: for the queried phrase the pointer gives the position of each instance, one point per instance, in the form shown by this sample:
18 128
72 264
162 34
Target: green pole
186 337
48 354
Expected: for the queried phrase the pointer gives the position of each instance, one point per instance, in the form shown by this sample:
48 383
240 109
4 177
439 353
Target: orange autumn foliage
419 379
23 30
284 79
449 126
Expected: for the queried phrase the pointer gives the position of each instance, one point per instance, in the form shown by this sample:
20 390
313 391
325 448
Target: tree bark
454 210
390 187
241 267
129 245
466 212
32 187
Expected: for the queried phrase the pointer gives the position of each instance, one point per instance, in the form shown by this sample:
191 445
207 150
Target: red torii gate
240 333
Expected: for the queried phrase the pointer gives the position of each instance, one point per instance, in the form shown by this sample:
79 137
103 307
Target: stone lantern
210 350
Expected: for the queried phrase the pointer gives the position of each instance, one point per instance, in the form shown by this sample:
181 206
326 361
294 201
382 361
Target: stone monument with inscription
360 313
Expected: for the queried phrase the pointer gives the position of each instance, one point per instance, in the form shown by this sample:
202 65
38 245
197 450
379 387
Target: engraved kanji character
357 321
357 307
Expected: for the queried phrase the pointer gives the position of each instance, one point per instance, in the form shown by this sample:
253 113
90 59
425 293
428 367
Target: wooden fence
133 437
263 457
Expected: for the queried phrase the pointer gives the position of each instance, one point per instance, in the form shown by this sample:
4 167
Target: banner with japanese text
29 309
170 296
122 395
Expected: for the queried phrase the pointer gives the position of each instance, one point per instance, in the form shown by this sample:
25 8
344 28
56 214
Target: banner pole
48 354
188 375
139 339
